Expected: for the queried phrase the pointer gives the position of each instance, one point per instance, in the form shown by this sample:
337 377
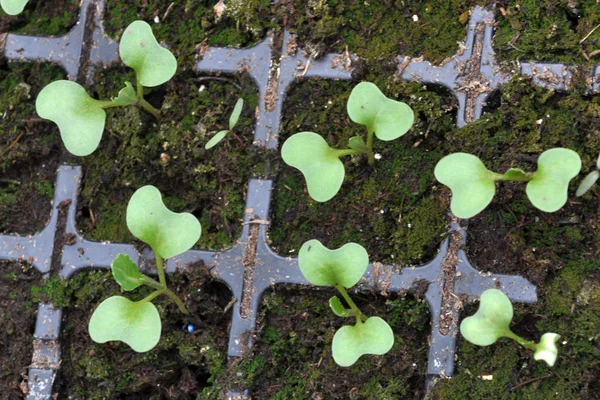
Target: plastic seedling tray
251 267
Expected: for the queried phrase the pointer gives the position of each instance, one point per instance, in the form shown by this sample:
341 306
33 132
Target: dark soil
292 356
17 324
42 18
181 366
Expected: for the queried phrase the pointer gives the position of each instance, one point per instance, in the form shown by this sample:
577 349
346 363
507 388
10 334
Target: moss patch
547 31
42 18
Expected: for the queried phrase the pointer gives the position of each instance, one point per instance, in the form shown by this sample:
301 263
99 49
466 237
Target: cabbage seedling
492 320
321 165
233 119
80 118
13 7
168 234
343 268
473 185
589 181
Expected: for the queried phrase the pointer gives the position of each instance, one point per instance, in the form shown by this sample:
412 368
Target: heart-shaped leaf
319 163
235 114
321 266
472 184
547 190
134 323
338 308
491 321
215 139
126 97
126 272
374 336
153 64
546 349
13 7
79 117
388 118
587 183
167 233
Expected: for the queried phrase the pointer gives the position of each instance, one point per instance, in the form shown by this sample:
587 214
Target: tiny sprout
13 7
473 186
168 234
343 268
233 119
492 320
80 118
589 181
321 165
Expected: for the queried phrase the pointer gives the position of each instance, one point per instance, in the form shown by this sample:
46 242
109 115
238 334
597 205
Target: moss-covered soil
292 356
17 324
182 366
42 18
29 148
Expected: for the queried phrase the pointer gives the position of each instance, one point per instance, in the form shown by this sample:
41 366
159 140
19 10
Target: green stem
347 152
177 301
160 269
107 104
526 177
359 315
151 296
528 344
145 105
146 280
370 147
163 283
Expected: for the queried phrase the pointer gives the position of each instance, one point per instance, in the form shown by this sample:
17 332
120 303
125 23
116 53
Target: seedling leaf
547 190
388 118
215 139
357 143
319 163
126 273
321 266
79 117
374 336
235 114
587 183
153 64
13 7
491 321
134 323
167 233
338 308
472 185
546 349
126 97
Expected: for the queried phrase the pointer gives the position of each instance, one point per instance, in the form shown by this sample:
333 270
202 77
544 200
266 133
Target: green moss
42 18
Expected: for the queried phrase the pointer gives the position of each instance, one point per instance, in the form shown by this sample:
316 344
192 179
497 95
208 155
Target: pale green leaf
587 183
546 349
472 184
388 118
357 143
319 163
215 139
321 266
135 323
548 189
167 233
235 115
374 336
153 64
79 117
127 96
338 308
13 7
126 272
491 321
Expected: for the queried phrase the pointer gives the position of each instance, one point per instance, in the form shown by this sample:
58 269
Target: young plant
233 119
492 320
168 234
342 269
473 185
13 7
81 118
589 181
321 165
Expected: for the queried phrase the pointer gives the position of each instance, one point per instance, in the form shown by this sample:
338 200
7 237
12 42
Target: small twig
93 218
14 143
230 304
257 221
238 138
520 385
11 181
306 68
168 11
588 35
594 53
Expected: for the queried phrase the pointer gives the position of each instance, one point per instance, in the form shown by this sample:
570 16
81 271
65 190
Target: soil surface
42 18
17 324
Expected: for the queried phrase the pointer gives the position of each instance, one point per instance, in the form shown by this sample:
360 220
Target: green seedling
137 323
81 118
473 185
13 7
492 320
233 119
343 268
589 181
320 164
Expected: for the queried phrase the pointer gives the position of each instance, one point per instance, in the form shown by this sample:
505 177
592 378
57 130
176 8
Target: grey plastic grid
471 75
